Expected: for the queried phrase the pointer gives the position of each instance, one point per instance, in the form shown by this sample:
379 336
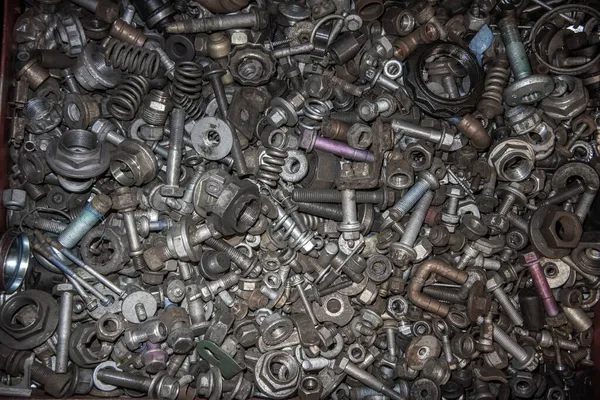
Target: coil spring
127 97
186 88
311 222
315 109
495 81
271 166
132 59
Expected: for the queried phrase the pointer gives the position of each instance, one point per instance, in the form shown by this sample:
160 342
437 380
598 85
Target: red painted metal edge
10 10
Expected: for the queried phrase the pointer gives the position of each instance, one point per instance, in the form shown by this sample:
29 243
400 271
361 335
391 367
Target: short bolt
495 287
92 213
246 264
135 247
160 386
349 226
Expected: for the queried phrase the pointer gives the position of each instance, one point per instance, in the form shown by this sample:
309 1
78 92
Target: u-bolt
420 277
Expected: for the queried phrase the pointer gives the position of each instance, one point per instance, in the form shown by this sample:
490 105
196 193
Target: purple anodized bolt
309 140
532 261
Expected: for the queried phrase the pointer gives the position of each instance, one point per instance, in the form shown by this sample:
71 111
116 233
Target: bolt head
529 258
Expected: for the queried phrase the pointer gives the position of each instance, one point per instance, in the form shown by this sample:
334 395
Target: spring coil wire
132 59
127 97
271 165
186 88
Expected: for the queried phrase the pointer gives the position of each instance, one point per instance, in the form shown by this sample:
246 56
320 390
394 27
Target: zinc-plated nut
369 293
397 307
568 100
133 164
91 70
110 327
523 119
212 138
513 159
80 111
251 65
41 115
275 328
277 385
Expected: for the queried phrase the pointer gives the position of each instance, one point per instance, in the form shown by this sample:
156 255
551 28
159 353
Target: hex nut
110 327
278 386
86 350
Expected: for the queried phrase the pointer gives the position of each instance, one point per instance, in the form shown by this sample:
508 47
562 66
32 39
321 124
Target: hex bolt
523 357
378 79
64 328
92 213
366 378
310 141
171 187
250 19
532 262
494 285
213 73
526 88
446 345
293 50
443 138
390 328
349 226
444 293
166 62
159 386
127 211
426 182
297 281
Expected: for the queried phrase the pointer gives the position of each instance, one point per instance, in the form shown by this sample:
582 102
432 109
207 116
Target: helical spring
127 97
271 166
132 59
186 88
311 221
495 82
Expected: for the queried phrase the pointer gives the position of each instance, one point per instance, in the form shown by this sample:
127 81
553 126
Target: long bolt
171 188
510 345
310 141
415 222
404 128
585 203
92 213
379 196
140 383
297 281
64 332
213 73
563 195
515 50
369 380
244 262
216 23
427 181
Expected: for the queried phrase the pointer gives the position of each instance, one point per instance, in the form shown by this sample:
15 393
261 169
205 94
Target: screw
171 187
250 19
92 213
426 182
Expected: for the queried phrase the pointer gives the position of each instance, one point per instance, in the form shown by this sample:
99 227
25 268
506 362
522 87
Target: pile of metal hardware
325 199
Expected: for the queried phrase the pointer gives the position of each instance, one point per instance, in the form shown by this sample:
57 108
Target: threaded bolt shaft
234 254
323 210
564 195
510 345
414 224
515 50
585 203
450 295
335 196
64 332
411 197
124 380
509 308
87 219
